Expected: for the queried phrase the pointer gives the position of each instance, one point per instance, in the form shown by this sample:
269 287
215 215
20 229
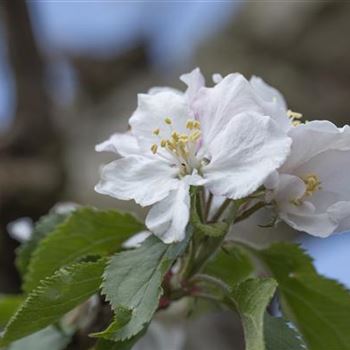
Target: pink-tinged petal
244 154
143 179
123 144
150 114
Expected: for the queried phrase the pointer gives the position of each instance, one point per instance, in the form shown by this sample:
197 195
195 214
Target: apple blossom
216 136
311 191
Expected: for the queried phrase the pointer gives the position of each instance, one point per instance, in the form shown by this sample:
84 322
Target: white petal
243 155
194 81
314 138
217 105
320 225
341 213
157 89
273 102
168 218
123 144
143 179
217 78
151 112
272 180
135 241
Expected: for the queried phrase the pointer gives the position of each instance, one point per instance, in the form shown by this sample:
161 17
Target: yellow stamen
196 124
195 135
170 145
168 121
296 122
189 124
294 115
183 138
313 184
175 135
156 131
163 143
154 148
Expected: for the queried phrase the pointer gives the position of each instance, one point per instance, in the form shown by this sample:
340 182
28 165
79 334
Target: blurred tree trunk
31 168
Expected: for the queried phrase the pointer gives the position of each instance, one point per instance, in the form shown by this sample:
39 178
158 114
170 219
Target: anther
163 143
170 145
154 148
168 121
156 131
312 183
189 124
175 135
195 135
196 124
294 115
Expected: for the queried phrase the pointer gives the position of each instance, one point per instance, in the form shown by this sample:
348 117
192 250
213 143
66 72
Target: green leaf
54 297
232 266
47 339
8 306
320 307
278 335
133 280
86 232
251 298
42 228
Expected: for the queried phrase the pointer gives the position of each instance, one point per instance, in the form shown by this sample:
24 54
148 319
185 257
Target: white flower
312 191
217 137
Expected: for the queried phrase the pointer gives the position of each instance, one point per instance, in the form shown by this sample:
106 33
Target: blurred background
70 72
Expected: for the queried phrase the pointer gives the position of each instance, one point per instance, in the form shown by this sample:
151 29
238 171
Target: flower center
312 183
180 147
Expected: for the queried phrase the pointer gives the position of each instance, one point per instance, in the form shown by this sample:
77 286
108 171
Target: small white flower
312 190
217 137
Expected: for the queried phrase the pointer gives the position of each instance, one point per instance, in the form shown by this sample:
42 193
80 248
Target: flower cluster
234 140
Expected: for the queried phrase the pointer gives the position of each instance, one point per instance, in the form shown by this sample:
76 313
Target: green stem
208 206
221 210
249 211
212 280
